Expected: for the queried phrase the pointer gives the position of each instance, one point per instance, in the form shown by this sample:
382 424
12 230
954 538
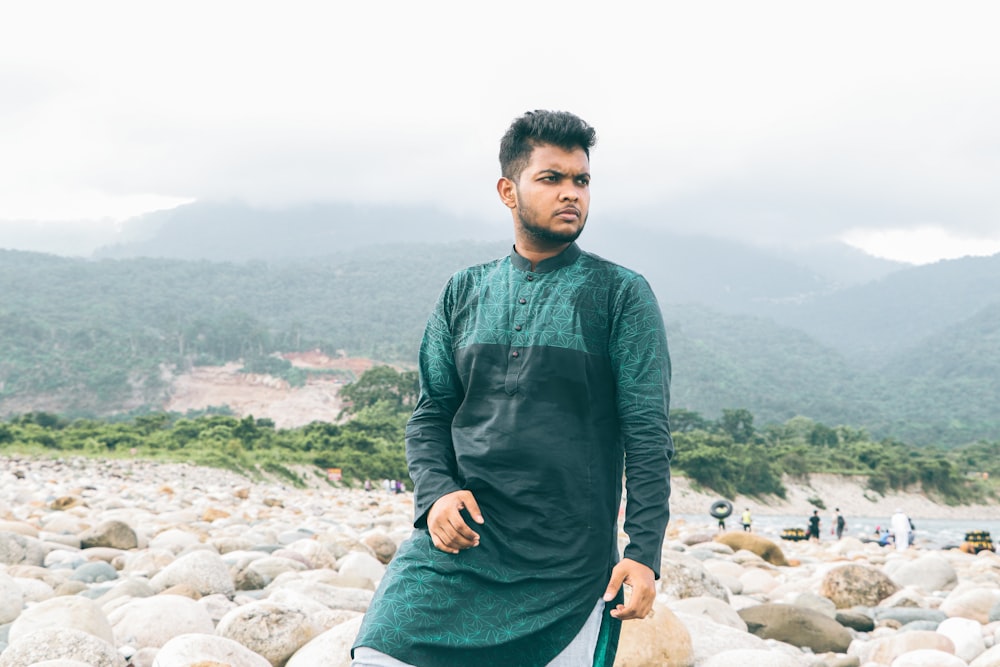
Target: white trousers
578 652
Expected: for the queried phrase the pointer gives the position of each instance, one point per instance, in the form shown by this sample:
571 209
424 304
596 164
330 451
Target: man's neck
536 254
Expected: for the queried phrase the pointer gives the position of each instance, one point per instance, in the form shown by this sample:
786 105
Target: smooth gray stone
920 625
909 614
96 572
294 536
995 613
94 593
855 620
268 548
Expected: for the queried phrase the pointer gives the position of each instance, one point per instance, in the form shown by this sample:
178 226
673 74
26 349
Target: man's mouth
569 213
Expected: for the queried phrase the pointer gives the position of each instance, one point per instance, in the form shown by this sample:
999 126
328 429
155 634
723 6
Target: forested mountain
952 377
723 361
876 320
80 336
911 354
690 268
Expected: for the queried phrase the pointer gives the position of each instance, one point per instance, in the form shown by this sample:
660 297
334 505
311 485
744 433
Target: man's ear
507 192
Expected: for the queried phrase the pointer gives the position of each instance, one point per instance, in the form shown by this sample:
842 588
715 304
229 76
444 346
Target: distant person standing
840 522
746 520
814 526
900 524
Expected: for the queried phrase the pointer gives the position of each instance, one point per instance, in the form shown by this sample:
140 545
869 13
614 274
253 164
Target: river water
930 533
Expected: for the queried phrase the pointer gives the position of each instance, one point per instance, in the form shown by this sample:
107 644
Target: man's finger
456 519
441 545
617 577
639 605
459 533
469 501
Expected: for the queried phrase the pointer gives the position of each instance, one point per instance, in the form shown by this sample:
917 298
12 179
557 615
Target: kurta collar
565 258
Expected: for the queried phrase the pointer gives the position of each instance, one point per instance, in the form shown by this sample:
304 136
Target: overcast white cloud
766 121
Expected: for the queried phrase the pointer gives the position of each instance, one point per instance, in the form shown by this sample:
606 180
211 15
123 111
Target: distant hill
911 354
951 377
239 232
725 361
883 317
685 269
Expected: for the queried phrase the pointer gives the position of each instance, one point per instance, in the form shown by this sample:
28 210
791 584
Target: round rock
114 534
659 639
335 641
361 565
684 577
272 630
11 599
64 643
966 634
928 573
856 585
18 549
62 613
798 626
153 621
928 658
199 649
94 573
202 570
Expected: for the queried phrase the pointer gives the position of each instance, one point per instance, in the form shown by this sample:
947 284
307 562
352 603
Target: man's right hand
448 529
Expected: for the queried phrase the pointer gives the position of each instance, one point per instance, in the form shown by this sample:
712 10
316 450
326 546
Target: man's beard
544 235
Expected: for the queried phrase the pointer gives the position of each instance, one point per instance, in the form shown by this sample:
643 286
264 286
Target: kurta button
514 353
517 327
522 300
530 277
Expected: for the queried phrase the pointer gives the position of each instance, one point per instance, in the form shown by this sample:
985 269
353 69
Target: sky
781 123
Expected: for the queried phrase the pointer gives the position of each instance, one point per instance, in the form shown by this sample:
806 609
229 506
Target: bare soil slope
264 396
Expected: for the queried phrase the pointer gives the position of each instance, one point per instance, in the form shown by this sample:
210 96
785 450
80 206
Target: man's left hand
641 580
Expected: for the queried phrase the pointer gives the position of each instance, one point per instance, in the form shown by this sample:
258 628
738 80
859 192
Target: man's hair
558 128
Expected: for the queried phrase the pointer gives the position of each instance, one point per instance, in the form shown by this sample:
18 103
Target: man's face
552 195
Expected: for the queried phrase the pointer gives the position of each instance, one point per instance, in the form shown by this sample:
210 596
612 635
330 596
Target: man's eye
583 181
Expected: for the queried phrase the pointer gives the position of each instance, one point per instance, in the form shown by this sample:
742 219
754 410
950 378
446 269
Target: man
746 520
543 376
840 523
900 529
814 526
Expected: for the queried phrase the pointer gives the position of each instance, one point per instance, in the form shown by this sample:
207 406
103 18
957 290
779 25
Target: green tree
682 420
738 423
397 389
823 436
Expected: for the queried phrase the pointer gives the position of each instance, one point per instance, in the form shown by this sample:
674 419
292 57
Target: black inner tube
721 509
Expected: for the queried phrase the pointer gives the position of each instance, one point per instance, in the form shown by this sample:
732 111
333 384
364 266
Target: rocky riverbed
115 563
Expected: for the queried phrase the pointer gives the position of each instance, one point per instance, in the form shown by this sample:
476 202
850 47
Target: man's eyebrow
556 172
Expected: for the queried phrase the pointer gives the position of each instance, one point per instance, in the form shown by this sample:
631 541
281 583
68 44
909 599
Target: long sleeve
641 364
430 453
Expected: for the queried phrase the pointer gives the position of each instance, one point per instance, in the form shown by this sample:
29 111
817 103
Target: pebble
127 562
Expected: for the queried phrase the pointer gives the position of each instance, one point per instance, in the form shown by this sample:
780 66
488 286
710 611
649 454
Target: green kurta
537 389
